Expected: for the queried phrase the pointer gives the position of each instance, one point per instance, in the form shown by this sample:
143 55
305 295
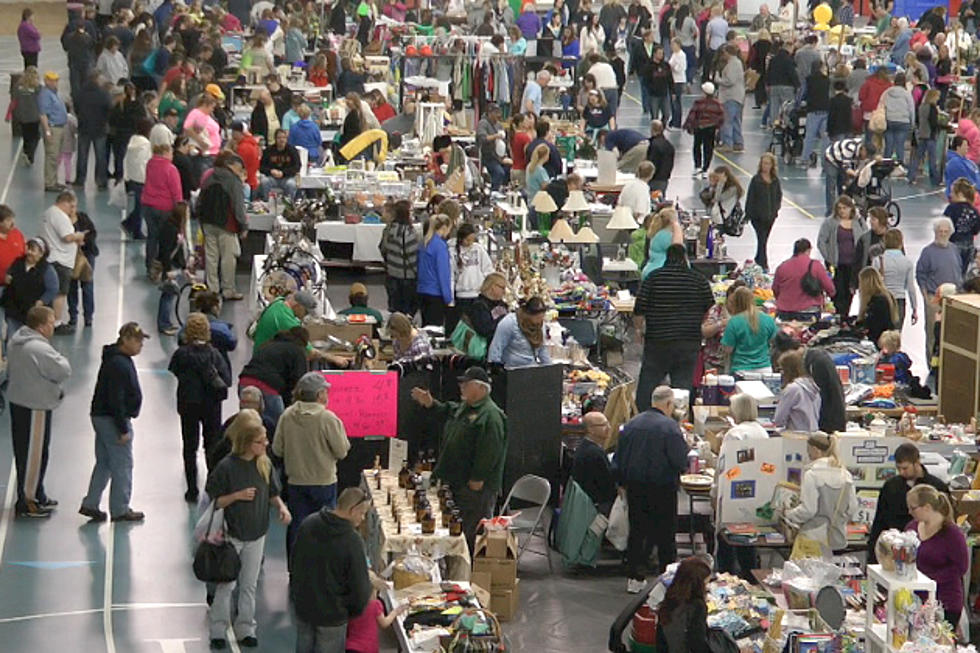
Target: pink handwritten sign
366 402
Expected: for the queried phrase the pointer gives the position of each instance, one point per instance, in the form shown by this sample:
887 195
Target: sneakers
738 149
634 586
249 642
723 149
48 503
233 296
130 515
93 513
64 330
218 644
170 331
34 511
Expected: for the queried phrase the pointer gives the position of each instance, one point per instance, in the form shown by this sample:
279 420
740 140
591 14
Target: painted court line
115 607
110 550
749 175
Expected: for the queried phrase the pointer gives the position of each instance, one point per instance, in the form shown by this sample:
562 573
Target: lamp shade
543 202
622 218
561 231
575 202
585 236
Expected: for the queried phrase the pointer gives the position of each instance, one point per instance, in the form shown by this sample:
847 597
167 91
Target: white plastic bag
117 195
217 526
618 531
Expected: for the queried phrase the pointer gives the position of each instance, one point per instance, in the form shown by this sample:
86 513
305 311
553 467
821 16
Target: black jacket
84 223
280 363
651 450
763 200
188 173
839 118
26 287
192 364
92 108
660 152
782 70
591 470
329 583
484 315
877 318
817 93
659 78
892 511
833 412
117 390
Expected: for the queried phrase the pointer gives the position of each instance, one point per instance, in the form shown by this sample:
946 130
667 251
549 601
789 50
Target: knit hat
708 88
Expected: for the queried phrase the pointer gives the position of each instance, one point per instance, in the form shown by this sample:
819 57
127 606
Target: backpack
732 223
213 205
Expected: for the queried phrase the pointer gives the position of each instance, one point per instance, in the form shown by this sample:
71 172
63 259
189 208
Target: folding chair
537 492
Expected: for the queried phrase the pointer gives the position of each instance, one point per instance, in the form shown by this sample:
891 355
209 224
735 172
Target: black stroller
789 132
878 192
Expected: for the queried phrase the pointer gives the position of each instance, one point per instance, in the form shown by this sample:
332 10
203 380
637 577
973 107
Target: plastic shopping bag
619 524
117 195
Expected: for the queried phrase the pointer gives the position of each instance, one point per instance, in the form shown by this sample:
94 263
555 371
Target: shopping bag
117 195
203 530
618 530
468 341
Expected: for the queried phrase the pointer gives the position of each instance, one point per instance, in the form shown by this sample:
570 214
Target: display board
366 402
752 470
870 459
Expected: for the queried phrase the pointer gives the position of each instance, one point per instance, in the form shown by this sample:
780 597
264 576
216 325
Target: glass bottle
456 524
403 476
422 510
428 522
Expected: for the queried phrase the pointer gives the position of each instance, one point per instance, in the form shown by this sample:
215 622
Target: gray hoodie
731 82
36 371
899 105
799 406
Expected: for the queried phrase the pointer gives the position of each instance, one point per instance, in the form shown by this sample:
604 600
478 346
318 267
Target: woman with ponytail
244 484
827 497
435 283
943 555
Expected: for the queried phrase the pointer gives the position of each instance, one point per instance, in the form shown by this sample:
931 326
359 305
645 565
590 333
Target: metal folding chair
536 491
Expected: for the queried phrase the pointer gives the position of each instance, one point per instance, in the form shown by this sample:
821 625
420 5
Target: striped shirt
400 250
673 300
844 153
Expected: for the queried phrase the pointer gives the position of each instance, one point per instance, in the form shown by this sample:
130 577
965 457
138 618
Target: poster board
752 470
870 459
366 402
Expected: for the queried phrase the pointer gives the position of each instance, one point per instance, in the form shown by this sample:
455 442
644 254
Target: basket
885 558
463 642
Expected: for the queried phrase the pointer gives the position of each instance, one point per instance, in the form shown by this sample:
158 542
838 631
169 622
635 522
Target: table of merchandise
384 540
424 640
365 237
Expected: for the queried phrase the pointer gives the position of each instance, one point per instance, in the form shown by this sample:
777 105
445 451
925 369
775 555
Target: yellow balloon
823 13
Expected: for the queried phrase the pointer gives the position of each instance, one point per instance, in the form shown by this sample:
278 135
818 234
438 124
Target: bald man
590 467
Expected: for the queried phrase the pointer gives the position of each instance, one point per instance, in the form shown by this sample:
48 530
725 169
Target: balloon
823 13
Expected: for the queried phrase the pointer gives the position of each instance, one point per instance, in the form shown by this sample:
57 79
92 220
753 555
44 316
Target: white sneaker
634 586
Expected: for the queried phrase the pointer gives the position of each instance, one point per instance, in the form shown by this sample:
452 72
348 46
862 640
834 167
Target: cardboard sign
366 402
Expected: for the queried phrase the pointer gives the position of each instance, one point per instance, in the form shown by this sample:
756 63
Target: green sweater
474 444
275 318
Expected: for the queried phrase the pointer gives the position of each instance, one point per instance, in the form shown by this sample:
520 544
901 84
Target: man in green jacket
285 313
474 447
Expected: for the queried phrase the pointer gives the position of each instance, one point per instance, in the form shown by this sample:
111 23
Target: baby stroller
789 132
878 192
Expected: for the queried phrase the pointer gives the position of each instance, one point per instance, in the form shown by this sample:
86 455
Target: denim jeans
645 97
498 175
660 359
895 136
676 92
320 639
833 184
925 148
660 108
98 143
304 500
153 218
692 61
612 99
88 297
167 307
966 251
731 129
778 95
113 461
285 185
816 133
250 553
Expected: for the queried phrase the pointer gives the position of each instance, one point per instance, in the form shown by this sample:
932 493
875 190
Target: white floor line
110 551
13 168
232 640
48 615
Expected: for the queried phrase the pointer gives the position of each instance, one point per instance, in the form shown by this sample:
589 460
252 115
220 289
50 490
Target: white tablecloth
364 236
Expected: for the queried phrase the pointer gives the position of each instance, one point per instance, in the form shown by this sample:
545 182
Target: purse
214 380
216 562
878 122
810 284
83 269
468 341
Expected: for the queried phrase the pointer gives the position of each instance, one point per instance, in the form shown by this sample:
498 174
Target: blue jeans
285 185
778 95
274 405
645 96
167 306
320 639
676 91
926 147
113 461
88 297
731 130
816 132
498 175
895 136
153 218
85 143
612 99
303 501
660 108
692 62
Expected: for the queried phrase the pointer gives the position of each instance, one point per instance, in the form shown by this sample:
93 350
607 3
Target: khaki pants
52 151
633 156
221 252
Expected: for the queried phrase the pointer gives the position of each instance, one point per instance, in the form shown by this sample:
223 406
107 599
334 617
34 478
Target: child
966 220
362 630
69 142
890 344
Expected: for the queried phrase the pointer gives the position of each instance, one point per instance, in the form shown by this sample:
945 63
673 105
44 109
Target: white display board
870 459
752 469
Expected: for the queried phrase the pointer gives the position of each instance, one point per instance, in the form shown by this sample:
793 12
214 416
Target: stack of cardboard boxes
495 570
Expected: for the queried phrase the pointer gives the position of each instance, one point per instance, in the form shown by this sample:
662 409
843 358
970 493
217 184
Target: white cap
708 88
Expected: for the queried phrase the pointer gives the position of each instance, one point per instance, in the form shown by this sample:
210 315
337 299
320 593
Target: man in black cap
474 447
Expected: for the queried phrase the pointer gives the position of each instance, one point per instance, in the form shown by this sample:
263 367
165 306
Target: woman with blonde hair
435 286
244 485
898 273
762 204
747 335
26 111
943 555
664 231
879 310
536 175
799 402
485 312
827 496
406 340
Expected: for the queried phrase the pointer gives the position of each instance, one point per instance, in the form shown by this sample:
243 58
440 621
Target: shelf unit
878 635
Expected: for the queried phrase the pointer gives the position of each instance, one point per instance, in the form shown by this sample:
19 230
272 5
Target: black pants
455 313
653 522
704 147
760 91
844 293
660 359
707 59
30 58
762 229
30 431
747 558
196 419
402 295
473 506
119 144
433 310
31 131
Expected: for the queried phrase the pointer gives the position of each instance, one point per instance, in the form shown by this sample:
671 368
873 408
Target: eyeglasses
263 441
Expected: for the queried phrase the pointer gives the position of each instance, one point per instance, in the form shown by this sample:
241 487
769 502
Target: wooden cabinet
959 358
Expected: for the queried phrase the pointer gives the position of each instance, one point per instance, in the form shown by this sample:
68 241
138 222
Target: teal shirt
535 181
750 350
658 251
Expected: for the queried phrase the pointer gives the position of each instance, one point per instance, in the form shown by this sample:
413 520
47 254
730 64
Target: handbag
878 122
618 529
810 284
216 562
214 380
468 341
83 269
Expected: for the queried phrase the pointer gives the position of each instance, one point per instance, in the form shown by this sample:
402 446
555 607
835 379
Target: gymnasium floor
67 585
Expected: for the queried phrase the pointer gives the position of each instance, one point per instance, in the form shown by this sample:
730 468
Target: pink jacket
788 290
162 189
969 130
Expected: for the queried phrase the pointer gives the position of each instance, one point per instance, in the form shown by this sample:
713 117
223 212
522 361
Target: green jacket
474 444
577 540
275 318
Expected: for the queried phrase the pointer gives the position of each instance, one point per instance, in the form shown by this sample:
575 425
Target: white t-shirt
678 67
605 76
635 195
160 134
55 225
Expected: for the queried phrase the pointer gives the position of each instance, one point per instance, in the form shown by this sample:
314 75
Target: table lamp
561 231
622 218
576 204
544 206
585 236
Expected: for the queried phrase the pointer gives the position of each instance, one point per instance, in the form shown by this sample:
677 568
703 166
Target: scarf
533 332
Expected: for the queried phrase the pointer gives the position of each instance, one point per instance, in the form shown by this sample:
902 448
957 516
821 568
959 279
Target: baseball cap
306 299
474 373
708 88
310 384
52 75
534 306
238 126
358 289
132 330
215 90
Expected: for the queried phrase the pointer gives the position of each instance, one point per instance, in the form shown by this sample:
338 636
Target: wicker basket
462 642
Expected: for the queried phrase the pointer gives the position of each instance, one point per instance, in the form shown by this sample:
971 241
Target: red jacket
705 112
787 286
162 189
248 149
871 91
12 247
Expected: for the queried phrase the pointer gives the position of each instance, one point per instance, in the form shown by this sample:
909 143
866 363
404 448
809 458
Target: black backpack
733 222
213 204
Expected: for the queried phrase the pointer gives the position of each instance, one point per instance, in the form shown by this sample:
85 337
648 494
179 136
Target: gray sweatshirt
827 238
938 265
899 105
36 371
732 82
799 406
899 275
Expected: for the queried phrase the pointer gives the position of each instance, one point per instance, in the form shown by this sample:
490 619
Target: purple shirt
29 37
845 246
944 558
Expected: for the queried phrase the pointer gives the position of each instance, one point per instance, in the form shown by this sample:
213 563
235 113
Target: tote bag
468 341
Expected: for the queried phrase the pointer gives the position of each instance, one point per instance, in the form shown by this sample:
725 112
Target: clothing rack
475 85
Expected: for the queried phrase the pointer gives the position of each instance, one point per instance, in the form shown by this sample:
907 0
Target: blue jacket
434 270
651 450
901 47
305 133
958 166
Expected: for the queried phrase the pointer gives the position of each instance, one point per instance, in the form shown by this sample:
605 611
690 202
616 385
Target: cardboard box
967 504
320 329
502 571
505 602
495 544
481 579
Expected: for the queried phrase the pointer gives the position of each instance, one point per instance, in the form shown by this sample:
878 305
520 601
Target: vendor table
365 238
384 541
783 549
405 643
